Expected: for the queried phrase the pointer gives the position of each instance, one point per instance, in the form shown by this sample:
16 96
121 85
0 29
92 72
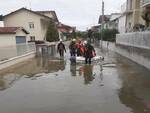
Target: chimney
1 21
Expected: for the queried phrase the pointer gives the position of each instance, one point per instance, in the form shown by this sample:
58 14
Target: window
31 25
32 38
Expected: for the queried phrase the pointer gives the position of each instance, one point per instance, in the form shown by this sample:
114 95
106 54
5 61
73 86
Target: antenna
28 4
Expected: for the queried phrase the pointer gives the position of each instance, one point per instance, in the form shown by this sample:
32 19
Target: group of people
78 48
82 48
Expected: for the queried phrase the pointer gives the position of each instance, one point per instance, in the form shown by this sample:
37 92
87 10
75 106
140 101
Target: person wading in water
61 48
88 52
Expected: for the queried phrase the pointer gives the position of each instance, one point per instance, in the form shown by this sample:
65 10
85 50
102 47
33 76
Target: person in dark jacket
88 53
72 48
61 48
78 46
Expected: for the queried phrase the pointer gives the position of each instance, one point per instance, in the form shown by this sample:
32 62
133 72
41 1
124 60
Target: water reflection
36 66
8 80
88 74
129 98
73 69
86 71
45 64
101 77
135 91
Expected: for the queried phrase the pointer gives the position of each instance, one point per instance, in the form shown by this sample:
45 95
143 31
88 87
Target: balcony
145 3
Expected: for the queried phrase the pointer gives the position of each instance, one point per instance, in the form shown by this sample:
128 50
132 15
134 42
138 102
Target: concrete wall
7 40
15 60
15 54
135 46
139 55
136 39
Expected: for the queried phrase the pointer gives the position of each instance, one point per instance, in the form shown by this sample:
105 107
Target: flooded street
53 85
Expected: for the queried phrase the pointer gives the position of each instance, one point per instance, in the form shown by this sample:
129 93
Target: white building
10 36
114 21
122 19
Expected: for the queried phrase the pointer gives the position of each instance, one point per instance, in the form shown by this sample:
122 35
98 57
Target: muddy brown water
53 85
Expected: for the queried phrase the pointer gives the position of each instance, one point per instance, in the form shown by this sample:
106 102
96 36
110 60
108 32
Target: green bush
97 35
107 34
74 35
81 34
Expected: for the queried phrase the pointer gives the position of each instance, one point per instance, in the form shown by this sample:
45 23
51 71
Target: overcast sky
79 13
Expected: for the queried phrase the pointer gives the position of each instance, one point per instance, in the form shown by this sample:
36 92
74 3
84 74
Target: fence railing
14 51
135 39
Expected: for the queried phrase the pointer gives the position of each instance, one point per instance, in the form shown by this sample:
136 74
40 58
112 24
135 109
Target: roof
114 16
27 10
11 30
52 12
65 28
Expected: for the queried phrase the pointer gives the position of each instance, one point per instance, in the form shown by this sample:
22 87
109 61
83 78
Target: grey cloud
80 13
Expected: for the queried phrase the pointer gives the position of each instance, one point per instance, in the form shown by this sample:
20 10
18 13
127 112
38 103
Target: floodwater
54 85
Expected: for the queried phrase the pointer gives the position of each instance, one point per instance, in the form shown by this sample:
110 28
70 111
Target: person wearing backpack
61 48
73 48
89 52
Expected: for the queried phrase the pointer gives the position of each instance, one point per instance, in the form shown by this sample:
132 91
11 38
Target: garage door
20 39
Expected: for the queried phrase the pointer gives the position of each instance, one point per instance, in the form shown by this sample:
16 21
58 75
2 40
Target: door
20 45
20 39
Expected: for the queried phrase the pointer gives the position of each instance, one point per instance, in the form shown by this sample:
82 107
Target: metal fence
14 51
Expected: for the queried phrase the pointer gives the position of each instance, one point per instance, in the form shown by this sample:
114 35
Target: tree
52 32
81 34
74 35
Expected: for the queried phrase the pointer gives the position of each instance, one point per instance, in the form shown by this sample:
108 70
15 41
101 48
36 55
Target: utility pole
102 24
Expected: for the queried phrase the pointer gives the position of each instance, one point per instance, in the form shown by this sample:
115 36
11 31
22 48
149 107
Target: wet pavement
54 85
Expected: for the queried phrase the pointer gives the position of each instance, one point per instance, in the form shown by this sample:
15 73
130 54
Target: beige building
50 14
134 13
145 5
33 21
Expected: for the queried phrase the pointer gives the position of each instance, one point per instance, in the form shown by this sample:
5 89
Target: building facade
133 14
114 21
122 19
145 5
34 22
